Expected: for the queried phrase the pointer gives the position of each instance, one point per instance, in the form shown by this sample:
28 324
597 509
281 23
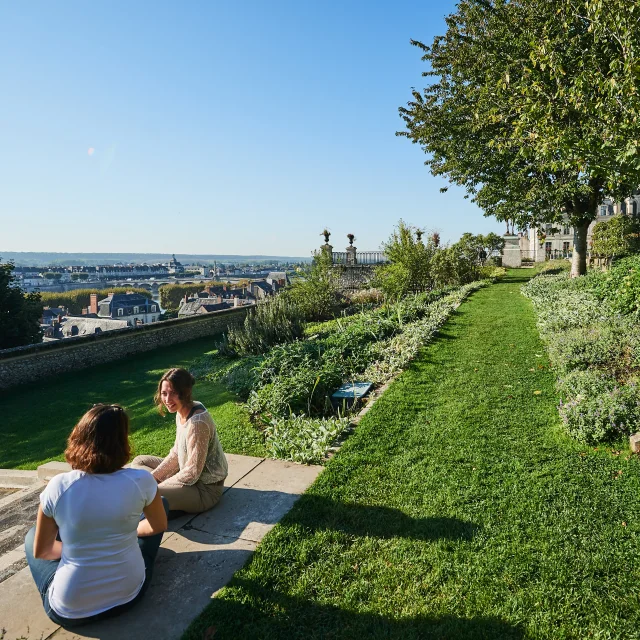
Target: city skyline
212 128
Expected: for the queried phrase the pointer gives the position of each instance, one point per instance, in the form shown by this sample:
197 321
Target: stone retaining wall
47 359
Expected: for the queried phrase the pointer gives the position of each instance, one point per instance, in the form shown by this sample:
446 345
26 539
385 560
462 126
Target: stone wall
47 359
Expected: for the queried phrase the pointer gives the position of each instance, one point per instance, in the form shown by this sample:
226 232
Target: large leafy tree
533 108
19 312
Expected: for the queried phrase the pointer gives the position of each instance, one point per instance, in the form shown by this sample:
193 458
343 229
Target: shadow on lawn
318 513
264 613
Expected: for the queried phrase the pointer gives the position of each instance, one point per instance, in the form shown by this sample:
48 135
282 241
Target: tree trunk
579 260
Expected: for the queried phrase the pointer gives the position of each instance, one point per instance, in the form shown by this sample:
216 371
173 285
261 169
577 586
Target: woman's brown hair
181 381
99 443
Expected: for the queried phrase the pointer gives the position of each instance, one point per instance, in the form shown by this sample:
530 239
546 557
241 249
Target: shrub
303 439
589 383
316 295
615 237
619 287
272 322
604 416
78 299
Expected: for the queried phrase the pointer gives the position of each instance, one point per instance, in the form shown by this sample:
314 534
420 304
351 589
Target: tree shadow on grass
318 513
260 612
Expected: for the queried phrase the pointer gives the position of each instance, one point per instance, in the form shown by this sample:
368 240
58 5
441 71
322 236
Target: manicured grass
457 509
36 419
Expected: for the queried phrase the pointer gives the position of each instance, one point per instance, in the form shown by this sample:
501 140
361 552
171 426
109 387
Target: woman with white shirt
91 554
192 476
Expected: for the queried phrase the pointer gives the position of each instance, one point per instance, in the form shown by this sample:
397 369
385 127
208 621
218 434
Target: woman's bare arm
155 518
45 545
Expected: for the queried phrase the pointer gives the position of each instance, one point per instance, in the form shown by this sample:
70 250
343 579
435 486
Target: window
565 246
566 231
136 309
547 246
153 308
120 312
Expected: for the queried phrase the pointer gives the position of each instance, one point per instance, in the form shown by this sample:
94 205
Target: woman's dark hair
181 381
99 443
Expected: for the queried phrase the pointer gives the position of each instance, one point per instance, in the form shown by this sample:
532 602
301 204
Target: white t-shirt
98 514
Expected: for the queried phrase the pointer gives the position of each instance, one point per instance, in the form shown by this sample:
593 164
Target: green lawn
457 509
38 418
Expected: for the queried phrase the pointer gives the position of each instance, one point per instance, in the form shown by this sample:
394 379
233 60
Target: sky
211 127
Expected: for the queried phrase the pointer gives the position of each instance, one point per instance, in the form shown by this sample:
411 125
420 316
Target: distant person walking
101 562
192 476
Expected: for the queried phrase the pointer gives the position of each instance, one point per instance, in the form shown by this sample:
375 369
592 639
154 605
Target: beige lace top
196 455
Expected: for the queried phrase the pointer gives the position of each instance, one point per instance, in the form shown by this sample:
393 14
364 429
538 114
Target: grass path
458 509
37 418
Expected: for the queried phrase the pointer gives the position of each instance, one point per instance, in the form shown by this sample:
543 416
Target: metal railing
360 257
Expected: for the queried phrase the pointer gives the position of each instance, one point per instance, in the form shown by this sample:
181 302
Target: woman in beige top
192 476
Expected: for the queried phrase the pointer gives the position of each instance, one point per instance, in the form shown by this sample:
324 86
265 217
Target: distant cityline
37 258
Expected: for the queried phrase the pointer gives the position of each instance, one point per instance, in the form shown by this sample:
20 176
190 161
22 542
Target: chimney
93 304
84 311
236 302
59 317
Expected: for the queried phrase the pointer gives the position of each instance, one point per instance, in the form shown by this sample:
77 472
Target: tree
533 108
19 312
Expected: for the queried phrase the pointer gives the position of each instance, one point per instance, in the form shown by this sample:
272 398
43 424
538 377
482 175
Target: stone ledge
52 469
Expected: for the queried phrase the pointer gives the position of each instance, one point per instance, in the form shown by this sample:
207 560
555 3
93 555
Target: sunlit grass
458 509
37 418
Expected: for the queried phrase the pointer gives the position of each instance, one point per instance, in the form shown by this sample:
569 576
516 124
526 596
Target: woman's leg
192 498
148 463
41 570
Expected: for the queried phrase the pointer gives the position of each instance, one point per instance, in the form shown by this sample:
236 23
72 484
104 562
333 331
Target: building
50 314
134 308
556 240
174 266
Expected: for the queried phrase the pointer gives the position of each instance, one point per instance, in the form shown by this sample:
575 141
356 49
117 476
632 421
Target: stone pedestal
511 256
351 255
634 442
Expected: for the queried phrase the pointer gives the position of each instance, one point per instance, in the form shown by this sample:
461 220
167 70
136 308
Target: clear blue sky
216 127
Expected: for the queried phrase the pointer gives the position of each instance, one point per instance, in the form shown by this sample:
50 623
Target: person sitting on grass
192 476
91 553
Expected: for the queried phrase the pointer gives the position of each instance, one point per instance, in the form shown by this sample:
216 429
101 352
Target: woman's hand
155 518
45 545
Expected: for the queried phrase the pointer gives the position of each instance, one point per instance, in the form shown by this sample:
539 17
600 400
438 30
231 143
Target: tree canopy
19 312
533 107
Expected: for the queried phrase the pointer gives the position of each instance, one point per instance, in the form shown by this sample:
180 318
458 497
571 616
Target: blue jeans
43 572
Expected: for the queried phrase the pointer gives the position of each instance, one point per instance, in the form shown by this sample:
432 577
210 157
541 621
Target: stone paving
199 555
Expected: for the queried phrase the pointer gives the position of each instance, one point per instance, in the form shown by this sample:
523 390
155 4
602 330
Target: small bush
604 416
302 439
272 322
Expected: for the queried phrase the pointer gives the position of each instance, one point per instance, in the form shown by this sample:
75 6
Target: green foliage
302 439
274 321
316 294
299 377
594 349
415 266
19 312
619 288
604 415
533 108
409 269
172 294
616 237
79 275
78 299
52 275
